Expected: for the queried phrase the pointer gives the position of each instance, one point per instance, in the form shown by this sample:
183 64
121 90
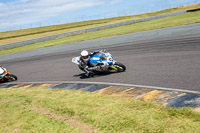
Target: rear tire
120 67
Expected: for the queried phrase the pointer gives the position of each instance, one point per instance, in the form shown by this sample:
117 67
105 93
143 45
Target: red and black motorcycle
5 76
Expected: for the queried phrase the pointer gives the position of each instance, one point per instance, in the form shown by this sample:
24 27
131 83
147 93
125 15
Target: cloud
22 12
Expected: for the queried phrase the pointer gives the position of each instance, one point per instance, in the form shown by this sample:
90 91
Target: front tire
12 77
120 67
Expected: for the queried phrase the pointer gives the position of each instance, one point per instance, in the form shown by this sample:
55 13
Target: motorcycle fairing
1 70
95 59
76 60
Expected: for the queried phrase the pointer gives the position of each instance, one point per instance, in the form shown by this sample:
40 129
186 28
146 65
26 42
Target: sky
22 14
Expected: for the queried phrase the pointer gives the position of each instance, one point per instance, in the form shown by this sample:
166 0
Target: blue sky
21 14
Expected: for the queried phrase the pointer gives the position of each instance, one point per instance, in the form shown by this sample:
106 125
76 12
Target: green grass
189 18
26 34
47 110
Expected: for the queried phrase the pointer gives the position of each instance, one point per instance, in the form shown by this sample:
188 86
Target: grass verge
189 18
47 110
27 34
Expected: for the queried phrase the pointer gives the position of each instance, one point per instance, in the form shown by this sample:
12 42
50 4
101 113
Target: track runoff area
170 63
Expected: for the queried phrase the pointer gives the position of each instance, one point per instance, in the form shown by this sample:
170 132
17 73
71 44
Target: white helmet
85 55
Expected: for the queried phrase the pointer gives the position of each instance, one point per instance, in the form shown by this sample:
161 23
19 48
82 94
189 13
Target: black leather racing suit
86 66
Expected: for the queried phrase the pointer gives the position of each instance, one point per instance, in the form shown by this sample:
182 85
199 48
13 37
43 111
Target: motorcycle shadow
1 82
83 76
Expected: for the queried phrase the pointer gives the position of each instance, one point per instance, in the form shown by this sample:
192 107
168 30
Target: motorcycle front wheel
119 67
12 77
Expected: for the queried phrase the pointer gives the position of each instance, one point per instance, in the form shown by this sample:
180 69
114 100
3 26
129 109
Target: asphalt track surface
172 62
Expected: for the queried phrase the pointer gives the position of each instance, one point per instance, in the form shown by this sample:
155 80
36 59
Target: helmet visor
85 57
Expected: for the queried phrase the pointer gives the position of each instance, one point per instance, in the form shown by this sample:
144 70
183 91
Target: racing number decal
110 59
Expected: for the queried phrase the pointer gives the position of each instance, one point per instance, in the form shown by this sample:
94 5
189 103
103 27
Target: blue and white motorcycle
111 64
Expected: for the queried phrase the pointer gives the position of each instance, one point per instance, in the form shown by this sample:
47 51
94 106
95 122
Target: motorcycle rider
88 68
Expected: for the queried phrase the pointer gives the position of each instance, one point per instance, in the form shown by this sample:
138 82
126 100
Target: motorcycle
6 76
95 60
